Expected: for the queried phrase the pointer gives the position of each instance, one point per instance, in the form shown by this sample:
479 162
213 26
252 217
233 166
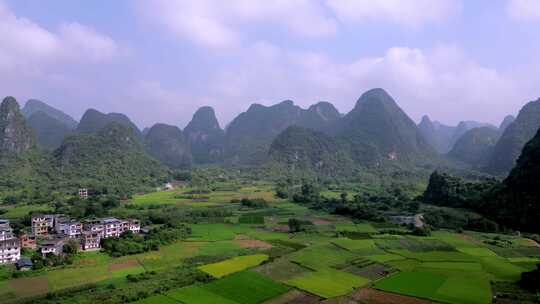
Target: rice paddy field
252 258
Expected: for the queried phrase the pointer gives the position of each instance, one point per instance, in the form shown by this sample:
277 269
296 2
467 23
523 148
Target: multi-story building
28 241
6 232
83 193
114 227
10 246
134 225
90 240
10 251
69 227
42 224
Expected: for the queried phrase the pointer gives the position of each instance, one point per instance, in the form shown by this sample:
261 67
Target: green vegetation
220 269
246 287
328 283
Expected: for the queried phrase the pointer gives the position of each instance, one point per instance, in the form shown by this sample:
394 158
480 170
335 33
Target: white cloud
222 24
410 13
29 47
443 82
524 9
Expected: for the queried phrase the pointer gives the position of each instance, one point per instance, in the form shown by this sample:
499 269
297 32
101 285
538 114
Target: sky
160 60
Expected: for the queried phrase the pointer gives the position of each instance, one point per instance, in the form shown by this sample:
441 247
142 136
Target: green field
239 263
246 287
197 294
328 283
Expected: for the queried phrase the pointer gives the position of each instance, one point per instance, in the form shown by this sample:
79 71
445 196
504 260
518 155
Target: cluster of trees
450 191
130 243
531 280
255 203
372 207
69 251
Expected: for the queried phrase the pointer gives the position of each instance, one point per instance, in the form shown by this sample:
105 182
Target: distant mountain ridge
33 106
49 131
514 138
250 134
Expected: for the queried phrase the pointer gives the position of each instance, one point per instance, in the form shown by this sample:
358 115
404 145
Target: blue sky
158 61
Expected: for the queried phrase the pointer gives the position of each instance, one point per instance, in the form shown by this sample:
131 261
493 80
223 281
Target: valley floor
250 257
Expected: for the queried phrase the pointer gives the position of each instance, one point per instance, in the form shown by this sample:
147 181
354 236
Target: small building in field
415 220
24 264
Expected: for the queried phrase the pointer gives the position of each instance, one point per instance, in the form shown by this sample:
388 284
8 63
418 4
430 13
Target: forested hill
378 129
514 138
518 202
112 158
93 121
205 136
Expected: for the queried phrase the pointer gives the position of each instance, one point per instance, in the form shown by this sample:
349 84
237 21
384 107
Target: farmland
247 255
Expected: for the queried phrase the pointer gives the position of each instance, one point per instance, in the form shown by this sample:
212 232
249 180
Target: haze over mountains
376 132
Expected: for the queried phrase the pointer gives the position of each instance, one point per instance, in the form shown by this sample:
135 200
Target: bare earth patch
320 222
372 296
247 243
28 287
281 228
123 265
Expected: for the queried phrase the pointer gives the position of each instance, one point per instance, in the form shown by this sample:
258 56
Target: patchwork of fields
256 260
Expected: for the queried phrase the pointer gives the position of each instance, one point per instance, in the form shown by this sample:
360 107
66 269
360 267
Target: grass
197 294
246 287
233 265
281 269
328 283
321 256
463 290
501 269
157 299
362 227
18 211
425 284
477 251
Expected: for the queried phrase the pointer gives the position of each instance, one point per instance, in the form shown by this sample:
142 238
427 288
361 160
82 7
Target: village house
24 264
10 246
28 241
10 251
89 233
42 224
415 220
114 227
83 193
6 232
69 227
54 246
90 240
